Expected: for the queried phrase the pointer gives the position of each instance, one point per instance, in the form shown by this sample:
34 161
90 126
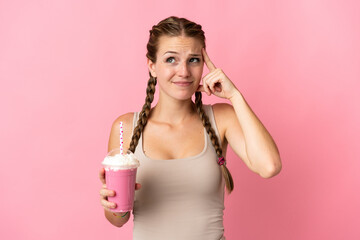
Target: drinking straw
121 138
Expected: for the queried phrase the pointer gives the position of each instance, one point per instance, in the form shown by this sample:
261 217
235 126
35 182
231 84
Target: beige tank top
180 199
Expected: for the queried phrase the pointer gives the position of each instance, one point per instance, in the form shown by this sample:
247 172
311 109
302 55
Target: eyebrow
194 54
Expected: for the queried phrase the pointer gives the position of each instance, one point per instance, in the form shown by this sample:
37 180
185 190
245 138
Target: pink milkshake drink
120 176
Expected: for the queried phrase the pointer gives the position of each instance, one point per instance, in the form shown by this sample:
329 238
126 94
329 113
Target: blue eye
169 58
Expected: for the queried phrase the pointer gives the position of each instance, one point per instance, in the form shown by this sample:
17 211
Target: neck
173 111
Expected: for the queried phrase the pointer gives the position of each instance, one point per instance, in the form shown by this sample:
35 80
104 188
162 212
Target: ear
151 67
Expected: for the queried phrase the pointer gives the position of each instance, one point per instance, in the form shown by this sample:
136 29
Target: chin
184 96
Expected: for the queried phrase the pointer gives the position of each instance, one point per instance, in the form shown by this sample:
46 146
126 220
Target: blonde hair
174 26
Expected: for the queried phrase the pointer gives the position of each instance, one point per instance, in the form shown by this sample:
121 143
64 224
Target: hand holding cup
105 193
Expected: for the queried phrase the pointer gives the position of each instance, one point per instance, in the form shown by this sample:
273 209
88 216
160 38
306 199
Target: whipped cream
119 161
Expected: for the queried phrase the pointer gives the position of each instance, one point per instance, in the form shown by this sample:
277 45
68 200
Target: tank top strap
135 119
210 113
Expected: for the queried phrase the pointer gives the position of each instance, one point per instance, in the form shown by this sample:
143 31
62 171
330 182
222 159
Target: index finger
207 60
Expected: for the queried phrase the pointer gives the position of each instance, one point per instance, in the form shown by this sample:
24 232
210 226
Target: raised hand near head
216 82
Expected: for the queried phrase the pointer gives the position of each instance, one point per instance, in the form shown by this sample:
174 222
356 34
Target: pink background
69 68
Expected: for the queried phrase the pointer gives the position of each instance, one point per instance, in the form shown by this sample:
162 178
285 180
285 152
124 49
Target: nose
184 70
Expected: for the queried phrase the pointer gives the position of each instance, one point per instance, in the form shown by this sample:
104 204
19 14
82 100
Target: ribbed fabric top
179 198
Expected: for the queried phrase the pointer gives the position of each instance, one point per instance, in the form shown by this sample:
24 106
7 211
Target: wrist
117 219
235 96
120 214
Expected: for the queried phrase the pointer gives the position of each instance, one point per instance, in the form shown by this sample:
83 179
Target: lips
182 83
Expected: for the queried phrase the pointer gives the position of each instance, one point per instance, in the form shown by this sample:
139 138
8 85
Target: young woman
181 144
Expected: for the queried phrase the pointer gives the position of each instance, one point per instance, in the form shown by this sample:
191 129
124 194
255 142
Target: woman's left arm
261 149
244 132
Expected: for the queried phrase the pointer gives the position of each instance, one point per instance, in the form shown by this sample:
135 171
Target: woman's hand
216 82
104 192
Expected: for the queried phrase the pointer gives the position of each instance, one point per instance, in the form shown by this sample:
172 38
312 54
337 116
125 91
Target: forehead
179 44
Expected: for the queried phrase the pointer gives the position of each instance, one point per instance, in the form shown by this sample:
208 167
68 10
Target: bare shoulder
223 113
114 139
223 108
126 118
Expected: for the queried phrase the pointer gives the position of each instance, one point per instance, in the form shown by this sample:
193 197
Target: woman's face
179 66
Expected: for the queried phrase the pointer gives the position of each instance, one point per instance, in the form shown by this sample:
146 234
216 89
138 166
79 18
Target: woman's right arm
117 219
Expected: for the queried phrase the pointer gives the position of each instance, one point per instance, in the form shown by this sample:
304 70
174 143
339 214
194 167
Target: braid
144 114
214 140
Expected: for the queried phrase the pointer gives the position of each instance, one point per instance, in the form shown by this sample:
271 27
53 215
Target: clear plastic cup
121 178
